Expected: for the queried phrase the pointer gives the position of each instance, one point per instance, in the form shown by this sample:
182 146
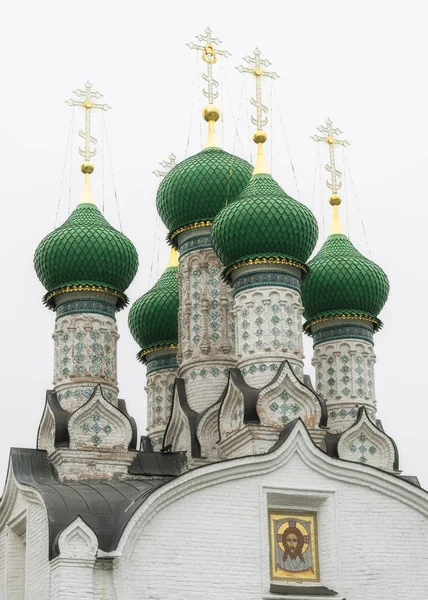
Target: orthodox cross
209 55
88 96
256 63
331 139
167 166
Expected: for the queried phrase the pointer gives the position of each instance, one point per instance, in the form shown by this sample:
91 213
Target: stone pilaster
206 328
85 354
344 361
161 373
268 321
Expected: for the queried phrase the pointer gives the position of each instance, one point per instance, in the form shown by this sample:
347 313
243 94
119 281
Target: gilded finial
256 63
173 258
331 140
210 113
87 103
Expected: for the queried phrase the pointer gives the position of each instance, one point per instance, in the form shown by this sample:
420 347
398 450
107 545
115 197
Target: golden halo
302 530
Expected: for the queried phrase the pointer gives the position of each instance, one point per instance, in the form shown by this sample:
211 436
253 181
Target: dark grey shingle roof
106 506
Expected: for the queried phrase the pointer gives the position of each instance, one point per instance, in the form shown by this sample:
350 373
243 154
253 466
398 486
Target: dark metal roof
106 506
165 464
191 415
301 590
411 479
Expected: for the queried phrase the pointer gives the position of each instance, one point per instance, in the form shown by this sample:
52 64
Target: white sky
363 64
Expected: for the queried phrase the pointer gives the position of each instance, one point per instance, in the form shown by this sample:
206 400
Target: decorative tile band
162 363
84 393
195 243
273 367
333 415
205 372
261 367
340 332
80 305
265 278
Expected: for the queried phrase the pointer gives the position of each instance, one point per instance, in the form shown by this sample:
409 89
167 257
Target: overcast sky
363 64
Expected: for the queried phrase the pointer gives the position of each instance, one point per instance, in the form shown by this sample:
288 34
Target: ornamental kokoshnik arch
293 538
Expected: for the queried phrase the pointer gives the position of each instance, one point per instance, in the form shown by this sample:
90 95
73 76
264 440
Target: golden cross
88 96
331 140
209 55
256 63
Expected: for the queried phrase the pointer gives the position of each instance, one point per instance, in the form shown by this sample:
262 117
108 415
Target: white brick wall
205 535
30 550
212 542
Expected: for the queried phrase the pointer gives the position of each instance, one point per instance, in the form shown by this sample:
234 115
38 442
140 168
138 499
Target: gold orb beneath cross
260 137
335 200
87 168
210 112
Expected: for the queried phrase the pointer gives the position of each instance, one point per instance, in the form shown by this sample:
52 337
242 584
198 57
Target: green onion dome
342 283
86 253
153 318
264 225
196 189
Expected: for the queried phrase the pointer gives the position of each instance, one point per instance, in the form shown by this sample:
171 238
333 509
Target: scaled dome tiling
342 280
86 251
153 318
199 187
264 222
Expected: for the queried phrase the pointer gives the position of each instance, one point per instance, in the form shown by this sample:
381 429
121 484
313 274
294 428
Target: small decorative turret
85 266
264 239
343 294
188 200
153 322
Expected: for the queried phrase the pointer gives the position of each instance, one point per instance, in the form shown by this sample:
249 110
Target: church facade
252 482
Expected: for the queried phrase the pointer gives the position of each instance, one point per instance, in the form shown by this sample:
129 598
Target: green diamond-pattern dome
342 280
153 318
264 222
200 186
86 251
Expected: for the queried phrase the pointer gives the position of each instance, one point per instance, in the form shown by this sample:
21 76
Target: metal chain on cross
331 139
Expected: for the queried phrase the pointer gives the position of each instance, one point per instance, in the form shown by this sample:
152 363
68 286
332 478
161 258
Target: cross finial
209 56
87 103
257 69
256 63
88 96
167 166
331 139
210 112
